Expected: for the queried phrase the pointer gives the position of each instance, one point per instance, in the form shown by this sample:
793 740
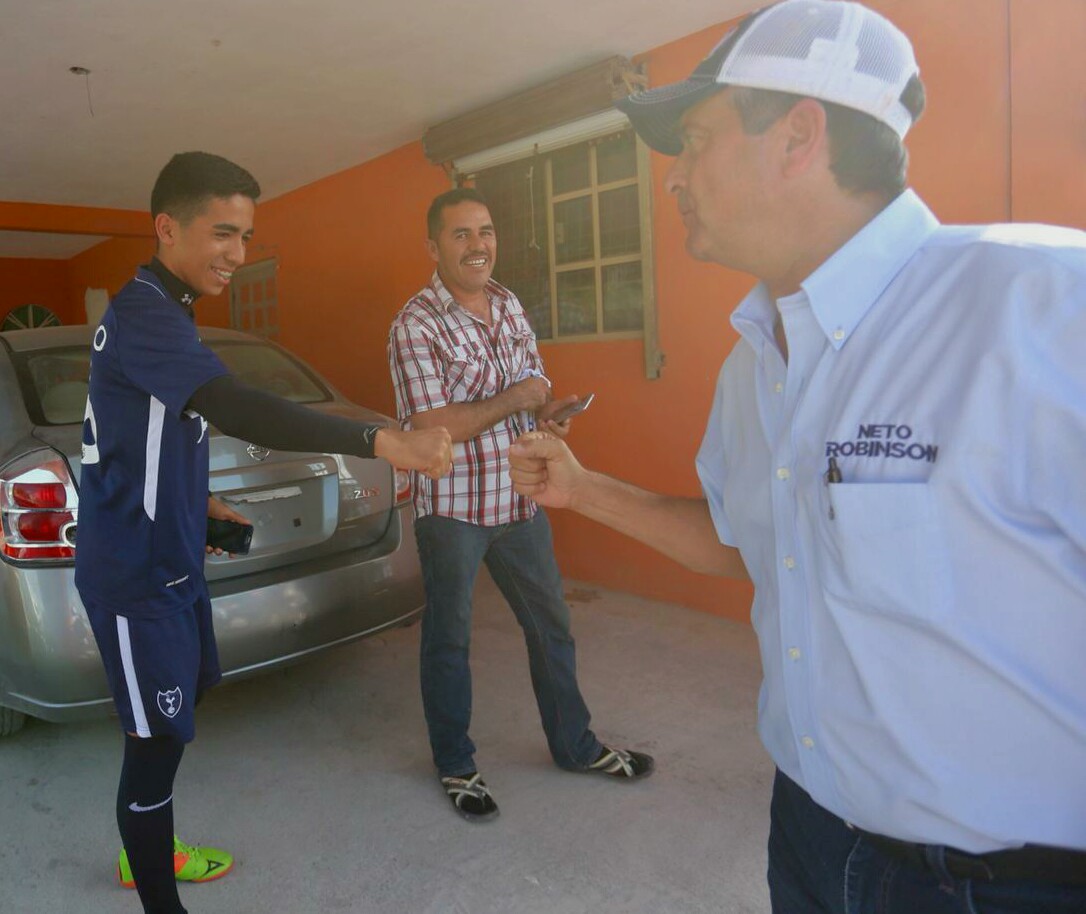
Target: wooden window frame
597 262
592 131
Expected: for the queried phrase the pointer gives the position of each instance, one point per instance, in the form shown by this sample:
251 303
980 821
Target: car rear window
54 381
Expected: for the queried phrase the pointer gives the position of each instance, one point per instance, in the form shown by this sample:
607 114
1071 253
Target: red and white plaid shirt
439 354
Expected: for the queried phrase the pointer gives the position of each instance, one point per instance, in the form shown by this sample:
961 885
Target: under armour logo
169 703
187 298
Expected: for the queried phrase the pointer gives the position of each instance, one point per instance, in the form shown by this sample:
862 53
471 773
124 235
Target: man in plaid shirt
464 357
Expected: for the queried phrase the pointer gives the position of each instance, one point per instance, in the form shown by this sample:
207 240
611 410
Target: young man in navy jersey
144 502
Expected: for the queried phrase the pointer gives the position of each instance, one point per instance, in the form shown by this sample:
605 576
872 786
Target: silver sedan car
333 554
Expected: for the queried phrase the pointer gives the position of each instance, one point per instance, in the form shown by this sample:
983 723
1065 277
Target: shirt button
808 743
793 653
782 473
838 334
778 387
789 562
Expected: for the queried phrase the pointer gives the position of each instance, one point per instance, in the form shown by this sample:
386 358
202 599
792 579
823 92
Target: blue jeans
818 865
520 557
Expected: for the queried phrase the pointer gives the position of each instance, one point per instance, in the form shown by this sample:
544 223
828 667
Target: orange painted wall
112 263
1048 148
108 265
351 249
60 284
25 281
996 143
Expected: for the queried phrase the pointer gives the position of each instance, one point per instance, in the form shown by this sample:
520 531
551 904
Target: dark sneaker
623 764
471 797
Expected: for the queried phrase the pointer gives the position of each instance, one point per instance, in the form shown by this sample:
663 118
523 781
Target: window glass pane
620 222
60 379
270 370
576 302
516 196
622 302
569 169
616 158
573 230
539 314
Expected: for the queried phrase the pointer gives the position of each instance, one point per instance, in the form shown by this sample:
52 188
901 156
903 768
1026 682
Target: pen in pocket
832 476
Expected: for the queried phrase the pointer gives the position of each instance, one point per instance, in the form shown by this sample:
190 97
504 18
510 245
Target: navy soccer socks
145 819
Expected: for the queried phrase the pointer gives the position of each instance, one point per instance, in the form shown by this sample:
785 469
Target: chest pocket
885 550
512 352
468 373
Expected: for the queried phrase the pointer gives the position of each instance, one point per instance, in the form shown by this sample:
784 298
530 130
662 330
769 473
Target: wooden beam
75 220
568 98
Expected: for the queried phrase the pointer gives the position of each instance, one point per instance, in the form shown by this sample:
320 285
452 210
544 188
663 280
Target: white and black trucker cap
831 50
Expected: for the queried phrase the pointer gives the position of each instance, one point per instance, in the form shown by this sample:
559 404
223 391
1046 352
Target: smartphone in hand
573 409
229 536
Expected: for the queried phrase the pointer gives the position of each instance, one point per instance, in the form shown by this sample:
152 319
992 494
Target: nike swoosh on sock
135 807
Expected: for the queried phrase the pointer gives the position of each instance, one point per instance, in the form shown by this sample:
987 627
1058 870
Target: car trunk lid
302 505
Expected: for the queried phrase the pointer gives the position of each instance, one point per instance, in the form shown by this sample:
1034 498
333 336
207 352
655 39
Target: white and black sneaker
623 764
471 797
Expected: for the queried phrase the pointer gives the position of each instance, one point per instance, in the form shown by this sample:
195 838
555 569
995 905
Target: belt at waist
1033 862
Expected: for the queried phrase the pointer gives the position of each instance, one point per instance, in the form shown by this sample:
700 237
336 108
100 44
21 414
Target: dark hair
444 201
866 156
191 179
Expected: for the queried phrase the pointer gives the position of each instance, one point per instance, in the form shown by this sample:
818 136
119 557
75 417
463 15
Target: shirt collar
843 289
179 290
494 291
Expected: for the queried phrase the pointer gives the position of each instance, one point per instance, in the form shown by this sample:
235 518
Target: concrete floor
318 778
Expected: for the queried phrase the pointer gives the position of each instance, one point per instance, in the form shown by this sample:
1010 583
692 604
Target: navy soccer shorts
157 667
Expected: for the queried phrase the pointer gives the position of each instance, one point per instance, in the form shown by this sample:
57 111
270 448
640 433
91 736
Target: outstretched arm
262 418
544 469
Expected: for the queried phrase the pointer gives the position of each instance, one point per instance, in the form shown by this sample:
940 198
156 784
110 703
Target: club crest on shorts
169 703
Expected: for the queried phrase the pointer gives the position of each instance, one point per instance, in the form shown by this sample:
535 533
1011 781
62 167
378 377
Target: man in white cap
893 457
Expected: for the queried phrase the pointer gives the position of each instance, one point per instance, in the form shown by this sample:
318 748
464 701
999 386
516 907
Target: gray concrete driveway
318 779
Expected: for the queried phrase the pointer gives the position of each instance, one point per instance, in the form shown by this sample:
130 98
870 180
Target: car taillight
403 485
38 509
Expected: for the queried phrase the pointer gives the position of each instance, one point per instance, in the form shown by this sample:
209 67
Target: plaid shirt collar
495 292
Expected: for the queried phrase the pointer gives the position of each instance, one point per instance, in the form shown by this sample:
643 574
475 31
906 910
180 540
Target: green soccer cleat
190 864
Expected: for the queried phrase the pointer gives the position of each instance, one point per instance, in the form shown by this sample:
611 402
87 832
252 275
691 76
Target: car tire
11 721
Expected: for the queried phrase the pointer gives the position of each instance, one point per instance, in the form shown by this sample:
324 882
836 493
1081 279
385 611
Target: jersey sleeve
159 351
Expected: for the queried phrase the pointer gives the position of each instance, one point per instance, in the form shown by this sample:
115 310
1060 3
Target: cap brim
655 113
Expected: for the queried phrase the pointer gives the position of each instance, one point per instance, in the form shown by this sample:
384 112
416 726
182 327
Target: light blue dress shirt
922 622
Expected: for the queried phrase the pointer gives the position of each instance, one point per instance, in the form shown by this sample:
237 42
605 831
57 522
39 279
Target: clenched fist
428 450
544 469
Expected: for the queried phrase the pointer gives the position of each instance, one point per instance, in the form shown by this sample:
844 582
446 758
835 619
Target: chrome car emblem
368 492
257 452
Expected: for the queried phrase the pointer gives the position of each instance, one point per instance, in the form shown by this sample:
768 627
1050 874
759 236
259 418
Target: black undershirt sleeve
244 412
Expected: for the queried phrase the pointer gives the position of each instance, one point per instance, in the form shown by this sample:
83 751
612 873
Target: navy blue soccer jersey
144 483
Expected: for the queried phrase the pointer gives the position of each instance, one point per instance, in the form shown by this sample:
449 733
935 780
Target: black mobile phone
229 535
579 407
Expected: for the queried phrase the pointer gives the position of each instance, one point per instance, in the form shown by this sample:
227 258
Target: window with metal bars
574 242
